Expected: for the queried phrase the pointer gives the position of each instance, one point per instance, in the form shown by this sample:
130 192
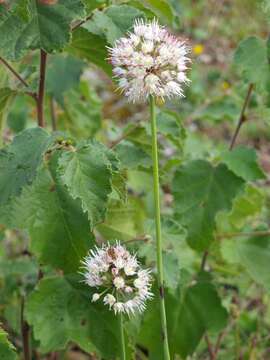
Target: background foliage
85 177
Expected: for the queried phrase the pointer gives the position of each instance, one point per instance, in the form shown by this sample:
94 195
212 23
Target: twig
204 258
25 330
236 234
76 26
53 115
210 347
14 72
242 117
18 76
124 136
218 343
41 90
142 238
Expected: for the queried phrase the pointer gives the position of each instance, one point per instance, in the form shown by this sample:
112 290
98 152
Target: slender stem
41 90
25 330
53 115
242 117
14 72
204 258
158 230
210 348
122 337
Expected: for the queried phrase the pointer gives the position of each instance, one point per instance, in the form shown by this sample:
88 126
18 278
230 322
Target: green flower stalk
158 229
151 63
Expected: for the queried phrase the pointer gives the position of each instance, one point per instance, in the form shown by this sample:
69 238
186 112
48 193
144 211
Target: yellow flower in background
198 49
226 85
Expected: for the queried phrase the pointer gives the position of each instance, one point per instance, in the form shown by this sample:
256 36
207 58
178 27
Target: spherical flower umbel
150 61
121 282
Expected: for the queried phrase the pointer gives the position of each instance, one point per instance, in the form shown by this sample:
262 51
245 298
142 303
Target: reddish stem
41 90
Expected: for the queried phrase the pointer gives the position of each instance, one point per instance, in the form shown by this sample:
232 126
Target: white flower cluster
123 284
150 61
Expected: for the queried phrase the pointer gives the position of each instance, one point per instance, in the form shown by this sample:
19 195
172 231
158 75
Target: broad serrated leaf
248 204
243 162
7 350
252 254
192 311
251 59
132 156
199 310
81 115
90 47
200 191
19 162
124 220
60 314
67 70
169 124
87 173
59 230
113 22
46 27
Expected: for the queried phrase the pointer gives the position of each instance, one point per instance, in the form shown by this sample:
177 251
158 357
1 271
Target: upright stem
25 330
41 89
122 337
158 230
53 115
242 117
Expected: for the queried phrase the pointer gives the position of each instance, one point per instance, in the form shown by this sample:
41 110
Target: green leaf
132 156
59 230
176 253
67 70
248 204
191 312
46 26
113 22
243 162
251 253
90 47
124 221
254 255
169 124
92 4
200 191
82 112
199 310
7 350
19 162
60 314
161 8
251 60
6 95
87 173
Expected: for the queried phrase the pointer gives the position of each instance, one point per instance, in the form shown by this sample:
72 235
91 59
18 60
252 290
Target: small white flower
147 47
95 297
128 289
119 282
117 272
109 299
119 307
152 62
